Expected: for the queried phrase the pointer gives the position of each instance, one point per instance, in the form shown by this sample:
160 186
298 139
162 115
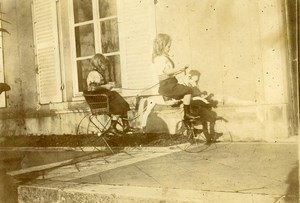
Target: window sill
79 106
77 98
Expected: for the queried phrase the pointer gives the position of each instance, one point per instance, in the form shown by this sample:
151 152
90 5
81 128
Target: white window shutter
137 30
47 50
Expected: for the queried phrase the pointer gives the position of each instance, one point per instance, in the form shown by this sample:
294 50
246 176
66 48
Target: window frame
97 37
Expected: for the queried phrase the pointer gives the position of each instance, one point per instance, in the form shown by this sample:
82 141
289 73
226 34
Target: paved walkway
223 172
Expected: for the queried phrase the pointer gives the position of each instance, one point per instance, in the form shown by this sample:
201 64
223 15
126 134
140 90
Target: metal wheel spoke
92 129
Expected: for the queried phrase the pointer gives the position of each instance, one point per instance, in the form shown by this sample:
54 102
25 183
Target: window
121 30
95 30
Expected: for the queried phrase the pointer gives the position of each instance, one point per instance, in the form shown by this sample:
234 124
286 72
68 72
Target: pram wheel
192 130
95 129
93 125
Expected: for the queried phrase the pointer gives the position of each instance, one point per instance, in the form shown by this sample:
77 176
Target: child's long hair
98 59
159 44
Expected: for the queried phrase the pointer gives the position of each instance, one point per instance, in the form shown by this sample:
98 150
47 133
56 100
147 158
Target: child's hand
192 83
188 82
107 86
209 96
110 87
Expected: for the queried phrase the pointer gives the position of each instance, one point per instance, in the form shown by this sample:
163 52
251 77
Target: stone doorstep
43 191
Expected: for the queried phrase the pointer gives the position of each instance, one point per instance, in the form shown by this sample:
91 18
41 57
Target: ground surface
221 172
12 157
255 169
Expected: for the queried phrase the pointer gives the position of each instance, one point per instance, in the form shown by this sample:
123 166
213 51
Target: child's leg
187 107
205 130
187 99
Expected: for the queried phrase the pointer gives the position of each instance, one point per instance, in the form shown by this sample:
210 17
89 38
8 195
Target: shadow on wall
156 125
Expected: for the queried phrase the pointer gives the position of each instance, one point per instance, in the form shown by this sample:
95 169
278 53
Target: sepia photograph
149 101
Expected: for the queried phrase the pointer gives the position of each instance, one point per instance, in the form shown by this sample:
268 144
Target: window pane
83 69
115 70
85 44
109 36
107 8
83 10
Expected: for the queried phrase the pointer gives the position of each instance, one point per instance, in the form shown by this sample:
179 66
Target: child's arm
169 70
96 82
188 82
106 86
97 86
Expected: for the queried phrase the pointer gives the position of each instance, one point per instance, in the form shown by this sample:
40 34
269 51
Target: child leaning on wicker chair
99 81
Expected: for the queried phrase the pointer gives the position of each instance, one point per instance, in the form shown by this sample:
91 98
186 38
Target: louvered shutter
47 50
138 31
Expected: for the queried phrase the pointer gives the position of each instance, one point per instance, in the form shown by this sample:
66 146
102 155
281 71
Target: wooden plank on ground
27 172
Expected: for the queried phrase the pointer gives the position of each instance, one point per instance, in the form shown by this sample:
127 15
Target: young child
202 104
98 81
165 67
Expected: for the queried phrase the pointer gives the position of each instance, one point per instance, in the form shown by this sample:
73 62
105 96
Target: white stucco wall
240 49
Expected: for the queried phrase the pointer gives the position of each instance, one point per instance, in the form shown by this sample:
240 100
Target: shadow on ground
292 192
127 140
